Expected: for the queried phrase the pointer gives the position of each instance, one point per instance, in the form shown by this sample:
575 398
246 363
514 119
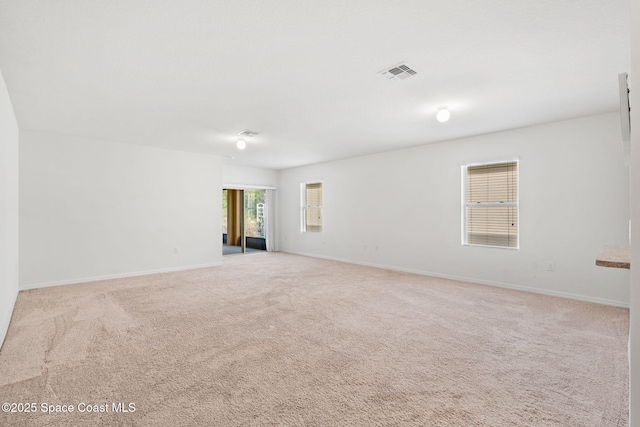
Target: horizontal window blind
491 205
313 207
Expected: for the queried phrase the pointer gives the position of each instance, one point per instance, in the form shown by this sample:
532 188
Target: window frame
516 204
304 206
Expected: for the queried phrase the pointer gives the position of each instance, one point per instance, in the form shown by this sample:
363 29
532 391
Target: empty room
301 213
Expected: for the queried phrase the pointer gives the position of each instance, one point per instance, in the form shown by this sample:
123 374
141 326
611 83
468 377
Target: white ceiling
191 74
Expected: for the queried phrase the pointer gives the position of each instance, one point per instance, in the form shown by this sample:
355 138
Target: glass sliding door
243 221
254 214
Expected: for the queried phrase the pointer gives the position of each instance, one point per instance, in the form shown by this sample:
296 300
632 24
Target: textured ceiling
191 74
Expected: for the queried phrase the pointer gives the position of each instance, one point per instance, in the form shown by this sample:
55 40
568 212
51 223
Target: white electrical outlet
551 266
176 251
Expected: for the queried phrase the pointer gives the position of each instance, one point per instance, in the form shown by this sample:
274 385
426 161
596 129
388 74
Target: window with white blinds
490 204
311 215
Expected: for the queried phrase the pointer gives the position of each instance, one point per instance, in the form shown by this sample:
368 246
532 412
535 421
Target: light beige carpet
273 339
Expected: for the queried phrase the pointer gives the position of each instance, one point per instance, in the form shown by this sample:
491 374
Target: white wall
402 209
244 176
95 209
634 78
8 209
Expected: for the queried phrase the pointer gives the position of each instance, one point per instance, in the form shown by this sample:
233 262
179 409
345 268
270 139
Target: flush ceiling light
443 115
241 144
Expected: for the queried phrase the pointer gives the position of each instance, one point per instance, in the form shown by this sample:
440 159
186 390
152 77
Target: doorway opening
243 221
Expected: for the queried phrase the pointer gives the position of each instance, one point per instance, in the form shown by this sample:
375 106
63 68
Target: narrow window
311 215
490 204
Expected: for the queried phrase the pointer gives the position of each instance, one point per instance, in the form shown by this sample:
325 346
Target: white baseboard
6 319
567 295
115 276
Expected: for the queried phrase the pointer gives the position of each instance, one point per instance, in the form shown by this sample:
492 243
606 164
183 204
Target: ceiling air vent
248 133
399 72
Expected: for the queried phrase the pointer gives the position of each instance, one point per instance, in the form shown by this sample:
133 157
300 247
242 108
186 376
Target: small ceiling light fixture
241 144
443 114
